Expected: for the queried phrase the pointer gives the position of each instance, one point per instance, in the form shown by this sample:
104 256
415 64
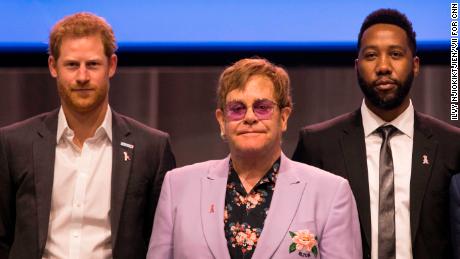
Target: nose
383 66
82 75
250 117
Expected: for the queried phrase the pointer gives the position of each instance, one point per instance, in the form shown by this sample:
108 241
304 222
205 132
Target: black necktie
386 226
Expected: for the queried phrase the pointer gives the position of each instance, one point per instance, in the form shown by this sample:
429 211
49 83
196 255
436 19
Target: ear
113 61
356 64
221 120
416 65
285 113
52 63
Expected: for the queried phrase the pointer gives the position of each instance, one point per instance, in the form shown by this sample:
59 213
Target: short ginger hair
81 25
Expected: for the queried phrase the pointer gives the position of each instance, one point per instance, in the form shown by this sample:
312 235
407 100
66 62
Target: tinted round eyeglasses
262 108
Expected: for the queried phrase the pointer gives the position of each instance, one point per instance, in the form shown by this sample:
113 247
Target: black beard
402 90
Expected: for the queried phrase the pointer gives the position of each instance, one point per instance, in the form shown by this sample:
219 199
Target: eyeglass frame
257 114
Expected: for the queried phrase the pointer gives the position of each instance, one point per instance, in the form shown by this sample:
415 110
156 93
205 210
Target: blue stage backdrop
200 25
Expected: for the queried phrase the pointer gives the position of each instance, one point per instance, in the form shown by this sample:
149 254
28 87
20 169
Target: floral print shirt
245 213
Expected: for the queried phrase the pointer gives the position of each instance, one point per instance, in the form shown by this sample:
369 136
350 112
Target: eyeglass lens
263 109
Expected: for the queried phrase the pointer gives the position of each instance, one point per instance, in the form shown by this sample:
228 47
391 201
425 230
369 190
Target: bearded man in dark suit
399 162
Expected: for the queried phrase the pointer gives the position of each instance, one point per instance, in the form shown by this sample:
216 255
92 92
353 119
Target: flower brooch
304 242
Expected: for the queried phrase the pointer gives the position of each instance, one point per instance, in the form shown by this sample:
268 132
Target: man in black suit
400 180
81 181
455 214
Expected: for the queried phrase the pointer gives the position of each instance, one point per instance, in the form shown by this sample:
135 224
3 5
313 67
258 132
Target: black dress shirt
245 213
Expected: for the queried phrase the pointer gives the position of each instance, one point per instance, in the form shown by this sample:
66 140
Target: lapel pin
127 158
425 160
211 209
124 144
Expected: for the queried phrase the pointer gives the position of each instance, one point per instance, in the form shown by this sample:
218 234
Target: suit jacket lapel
354 152
286 199
213 189
122 156
423 154
44 149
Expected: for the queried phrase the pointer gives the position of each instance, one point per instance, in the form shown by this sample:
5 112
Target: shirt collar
404 122
104 129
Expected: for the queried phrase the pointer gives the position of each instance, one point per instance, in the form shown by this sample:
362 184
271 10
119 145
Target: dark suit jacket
455 214
27 152
338 146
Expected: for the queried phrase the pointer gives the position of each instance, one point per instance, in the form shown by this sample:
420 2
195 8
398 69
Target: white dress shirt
79 224
401 147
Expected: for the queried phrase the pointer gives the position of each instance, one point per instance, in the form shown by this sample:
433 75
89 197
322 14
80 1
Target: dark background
175 91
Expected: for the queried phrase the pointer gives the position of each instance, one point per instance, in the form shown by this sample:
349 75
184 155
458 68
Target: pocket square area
304 243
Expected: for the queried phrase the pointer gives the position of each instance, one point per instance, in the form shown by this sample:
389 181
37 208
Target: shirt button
75 234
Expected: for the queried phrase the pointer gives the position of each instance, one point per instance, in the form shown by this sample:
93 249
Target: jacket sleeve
300 154
6 203
341 237
161 242
166 162
306 150
455 214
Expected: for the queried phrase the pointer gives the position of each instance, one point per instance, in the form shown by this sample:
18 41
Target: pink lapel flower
304 242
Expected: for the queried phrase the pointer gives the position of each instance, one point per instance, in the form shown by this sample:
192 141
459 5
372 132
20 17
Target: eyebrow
258 99
389 47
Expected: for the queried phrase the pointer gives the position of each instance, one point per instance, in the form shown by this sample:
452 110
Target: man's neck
251 169
388 115
84 124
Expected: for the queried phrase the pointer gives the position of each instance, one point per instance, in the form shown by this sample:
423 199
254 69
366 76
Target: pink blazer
189 220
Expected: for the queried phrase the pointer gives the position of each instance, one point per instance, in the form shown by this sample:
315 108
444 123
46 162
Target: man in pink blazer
256 203
189 222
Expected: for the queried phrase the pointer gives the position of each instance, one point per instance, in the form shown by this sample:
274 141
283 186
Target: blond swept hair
237 75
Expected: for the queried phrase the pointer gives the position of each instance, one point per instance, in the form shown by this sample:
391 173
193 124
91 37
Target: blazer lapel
286 199
423 154
44 149
122 156
213 189
354 151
